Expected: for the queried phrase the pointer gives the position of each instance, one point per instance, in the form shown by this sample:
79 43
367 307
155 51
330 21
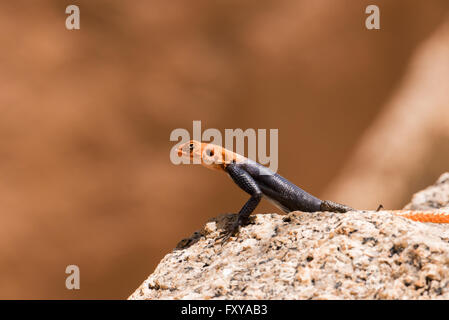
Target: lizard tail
436 216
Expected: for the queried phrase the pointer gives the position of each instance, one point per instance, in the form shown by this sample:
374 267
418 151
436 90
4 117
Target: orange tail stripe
437 216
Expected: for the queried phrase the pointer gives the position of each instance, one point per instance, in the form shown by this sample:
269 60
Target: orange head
210 155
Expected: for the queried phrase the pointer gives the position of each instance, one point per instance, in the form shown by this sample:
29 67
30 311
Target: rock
436 196
322 255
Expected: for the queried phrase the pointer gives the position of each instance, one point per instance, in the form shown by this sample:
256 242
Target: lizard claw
229 233
224 238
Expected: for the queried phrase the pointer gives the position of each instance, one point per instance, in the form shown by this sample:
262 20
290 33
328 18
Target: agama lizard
259 181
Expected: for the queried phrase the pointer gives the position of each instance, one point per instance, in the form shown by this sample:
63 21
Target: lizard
260 182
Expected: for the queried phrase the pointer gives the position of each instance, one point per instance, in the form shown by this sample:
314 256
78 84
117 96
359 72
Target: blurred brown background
85 176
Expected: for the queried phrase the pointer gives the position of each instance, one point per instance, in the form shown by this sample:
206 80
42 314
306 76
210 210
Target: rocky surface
355 255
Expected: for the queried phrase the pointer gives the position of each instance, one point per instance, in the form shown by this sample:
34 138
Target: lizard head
211 155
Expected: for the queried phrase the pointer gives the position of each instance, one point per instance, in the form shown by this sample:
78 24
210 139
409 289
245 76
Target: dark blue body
279 190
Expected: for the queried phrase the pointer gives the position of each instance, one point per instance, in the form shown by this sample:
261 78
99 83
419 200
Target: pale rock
321 255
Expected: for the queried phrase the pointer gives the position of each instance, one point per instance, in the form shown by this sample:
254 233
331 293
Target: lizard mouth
183 153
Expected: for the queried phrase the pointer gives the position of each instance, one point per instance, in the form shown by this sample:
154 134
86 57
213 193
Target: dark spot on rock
368 239
337 285
155 287
287 219
309 258
217 293
396 249
265 261
438 291
416 246
415 260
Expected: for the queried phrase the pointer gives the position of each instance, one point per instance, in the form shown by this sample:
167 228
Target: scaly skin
259 181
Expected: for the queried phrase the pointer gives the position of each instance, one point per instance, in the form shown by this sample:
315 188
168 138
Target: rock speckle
322 255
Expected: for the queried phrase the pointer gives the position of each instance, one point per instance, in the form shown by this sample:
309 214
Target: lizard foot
229 233
233 230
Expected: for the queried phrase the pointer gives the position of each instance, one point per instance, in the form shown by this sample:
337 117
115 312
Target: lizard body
259 181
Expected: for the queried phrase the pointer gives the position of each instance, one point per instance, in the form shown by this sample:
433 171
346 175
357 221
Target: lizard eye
210 152
191 146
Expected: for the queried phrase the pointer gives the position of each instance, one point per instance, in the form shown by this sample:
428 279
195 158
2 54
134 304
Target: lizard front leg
244 180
